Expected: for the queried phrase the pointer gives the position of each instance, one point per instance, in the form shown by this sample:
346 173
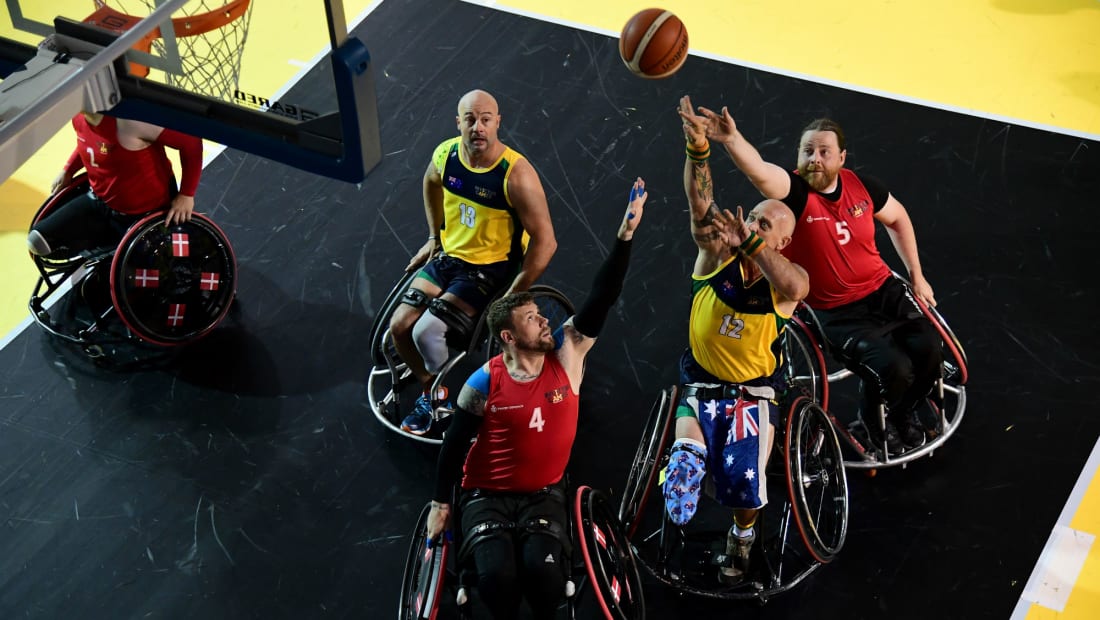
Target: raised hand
695 126
733 227
634 209
719 127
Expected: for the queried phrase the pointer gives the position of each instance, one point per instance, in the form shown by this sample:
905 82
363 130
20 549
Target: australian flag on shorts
734 425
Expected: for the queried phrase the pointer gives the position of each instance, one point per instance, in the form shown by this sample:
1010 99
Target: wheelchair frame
807 352
598 544
390 376
816 504
55 274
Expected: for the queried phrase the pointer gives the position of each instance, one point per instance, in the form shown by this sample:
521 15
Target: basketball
654 44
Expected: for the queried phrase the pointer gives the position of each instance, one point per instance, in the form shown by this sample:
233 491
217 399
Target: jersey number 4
536 420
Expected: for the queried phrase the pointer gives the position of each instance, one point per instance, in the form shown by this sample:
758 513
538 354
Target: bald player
743 294
489 230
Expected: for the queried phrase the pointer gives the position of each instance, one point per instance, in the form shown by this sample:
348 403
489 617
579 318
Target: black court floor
248 479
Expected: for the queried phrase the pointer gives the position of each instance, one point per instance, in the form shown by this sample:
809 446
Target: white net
210 37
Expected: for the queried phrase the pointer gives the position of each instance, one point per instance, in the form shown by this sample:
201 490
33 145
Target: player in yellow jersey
743 294
489 230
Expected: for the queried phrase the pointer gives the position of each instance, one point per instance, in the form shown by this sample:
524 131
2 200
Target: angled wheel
425 573
608 559
816 481
173 284
389 375
804 364
643 471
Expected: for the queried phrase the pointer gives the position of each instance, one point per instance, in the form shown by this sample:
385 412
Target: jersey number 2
536 420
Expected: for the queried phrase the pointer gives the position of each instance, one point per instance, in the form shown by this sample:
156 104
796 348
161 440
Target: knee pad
37 244
430 335
460 326
683 479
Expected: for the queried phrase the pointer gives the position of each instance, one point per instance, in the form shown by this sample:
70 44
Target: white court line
1060 562
210 154
492 4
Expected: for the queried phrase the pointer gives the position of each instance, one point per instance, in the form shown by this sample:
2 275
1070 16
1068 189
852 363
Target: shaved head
478 100
774 221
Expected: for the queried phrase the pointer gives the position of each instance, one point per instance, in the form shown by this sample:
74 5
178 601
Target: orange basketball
654 43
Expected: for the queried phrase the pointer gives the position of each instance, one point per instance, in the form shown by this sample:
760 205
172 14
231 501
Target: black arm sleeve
606 287
456 443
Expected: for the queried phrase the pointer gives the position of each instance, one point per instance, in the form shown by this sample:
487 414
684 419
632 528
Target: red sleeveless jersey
131 182
528 431
835 243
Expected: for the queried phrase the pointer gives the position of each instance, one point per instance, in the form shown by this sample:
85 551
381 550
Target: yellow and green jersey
480 226
735 329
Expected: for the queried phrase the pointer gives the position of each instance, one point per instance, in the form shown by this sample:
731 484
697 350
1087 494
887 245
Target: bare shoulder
524 185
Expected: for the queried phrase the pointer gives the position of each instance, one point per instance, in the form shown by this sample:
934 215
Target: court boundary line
218 149
927 103
1073 503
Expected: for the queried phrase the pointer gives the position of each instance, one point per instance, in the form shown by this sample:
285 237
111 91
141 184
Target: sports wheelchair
795 534
161 286
602 567
392 389
817 371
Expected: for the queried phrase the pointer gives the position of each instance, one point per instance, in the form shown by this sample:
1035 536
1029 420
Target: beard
819 179
536 345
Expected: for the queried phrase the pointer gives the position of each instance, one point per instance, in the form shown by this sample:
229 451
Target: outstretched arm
582 329
529 200
900 228
714 245
770 179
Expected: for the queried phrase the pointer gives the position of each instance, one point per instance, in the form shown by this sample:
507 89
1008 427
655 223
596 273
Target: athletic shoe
420 420
737 555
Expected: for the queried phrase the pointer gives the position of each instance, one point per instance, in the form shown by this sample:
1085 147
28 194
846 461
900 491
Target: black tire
422 585
816 482
804 369
647 459
608 559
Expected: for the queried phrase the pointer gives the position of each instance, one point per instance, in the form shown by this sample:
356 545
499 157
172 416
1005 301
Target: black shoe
891 442
910 430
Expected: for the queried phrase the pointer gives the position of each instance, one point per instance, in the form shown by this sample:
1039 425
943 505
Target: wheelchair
392 389
820 375
160 287
602 568
795 534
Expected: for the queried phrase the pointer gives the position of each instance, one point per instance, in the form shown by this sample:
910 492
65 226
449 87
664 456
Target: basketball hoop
210 38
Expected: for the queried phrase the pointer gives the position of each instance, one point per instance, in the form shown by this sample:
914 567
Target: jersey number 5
843 233
536 420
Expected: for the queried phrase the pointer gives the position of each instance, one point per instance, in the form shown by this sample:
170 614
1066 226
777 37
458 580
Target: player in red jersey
129 174
867 315
520 409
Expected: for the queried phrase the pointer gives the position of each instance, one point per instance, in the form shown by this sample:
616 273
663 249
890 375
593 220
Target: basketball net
210 37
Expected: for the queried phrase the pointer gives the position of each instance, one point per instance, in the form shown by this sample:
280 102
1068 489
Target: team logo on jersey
103 149
857 211
556 395
454 182
811 219
483 192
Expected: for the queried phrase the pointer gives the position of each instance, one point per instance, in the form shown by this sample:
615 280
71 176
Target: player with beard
520 409
489 230
866 314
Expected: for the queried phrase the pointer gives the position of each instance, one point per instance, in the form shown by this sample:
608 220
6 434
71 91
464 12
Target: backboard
220 69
